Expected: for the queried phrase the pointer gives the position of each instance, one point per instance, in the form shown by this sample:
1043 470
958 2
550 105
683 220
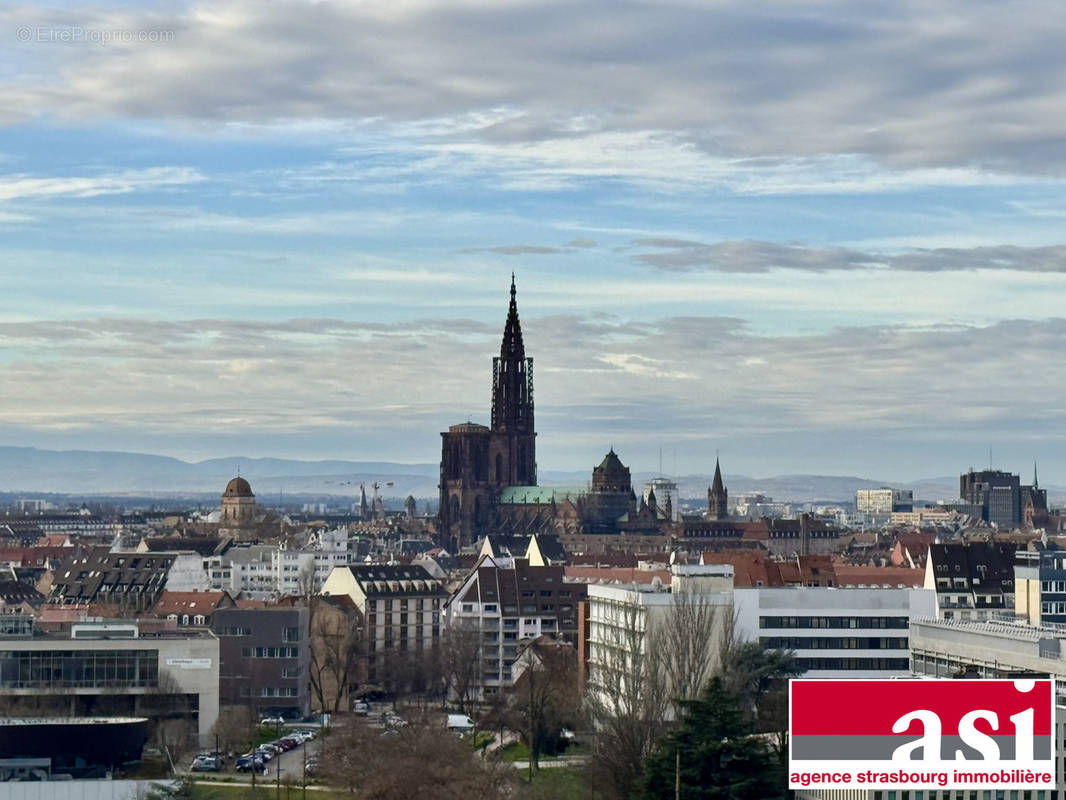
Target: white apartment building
261 572
835 633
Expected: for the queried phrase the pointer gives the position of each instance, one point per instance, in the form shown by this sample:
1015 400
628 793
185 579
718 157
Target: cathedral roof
611 463
238 487
540 495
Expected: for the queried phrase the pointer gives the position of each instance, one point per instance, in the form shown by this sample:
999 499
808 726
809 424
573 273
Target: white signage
189 663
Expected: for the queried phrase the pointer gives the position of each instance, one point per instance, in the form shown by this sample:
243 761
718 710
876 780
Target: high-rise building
999 494
884 500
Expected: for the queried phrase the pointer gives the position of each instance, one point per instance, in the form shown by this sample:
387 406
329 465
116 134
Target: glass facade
78 669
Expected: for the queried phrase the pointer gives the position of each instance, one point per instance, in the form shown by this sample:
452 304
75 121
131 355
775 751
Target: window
490 608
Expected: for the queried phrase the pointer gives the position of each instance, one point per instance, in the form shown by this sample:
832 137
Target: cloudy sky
813 236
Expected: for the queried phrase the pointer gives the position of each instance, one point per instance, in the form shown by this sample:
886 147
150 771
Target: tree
627 699
545 695
234 728
336 651
460 661
713 754
418 760
684 643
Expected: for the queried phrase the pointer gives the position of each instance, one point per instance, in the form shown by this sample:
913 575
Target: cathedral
488 475
477 462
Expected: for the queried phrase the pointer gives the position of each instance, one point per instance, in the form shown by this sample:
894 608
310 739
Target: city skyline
820 238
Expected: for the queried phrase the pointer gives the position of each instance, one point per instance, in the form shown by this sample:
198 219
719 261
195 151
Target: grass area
515 751
263 792
481 739
557 783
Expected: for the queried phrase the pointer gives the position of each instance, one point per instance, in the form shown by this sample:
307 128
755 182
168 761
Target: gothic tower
513 451
478 462
717 496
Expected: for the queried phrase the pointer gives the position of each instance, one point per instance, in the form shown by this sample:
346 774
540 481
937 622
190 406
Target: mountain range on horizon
86 472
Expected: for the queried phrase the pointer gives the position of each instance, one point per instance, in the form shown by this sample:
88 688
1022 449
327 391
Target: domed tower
238 505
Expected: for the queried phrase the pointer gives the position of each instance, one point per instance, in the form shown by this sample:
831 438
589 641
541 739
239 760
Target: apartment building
401 608
508 601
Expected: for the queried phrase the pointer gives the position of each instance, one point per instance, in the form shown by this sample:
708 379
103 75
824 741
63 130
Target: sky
811 237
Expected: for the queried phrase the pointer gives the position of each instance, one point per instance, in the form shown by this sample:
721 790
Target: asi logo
955 734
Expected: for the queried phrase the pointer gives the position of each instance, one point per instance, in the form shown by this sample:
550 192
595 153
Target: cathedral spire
512 346
1036 482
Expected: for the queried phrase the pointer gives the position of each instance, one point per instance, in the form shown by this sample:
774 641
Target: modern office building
115 664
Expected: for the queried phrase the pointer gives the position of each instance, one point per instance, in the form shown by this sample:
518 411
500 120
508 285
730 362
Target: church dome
238 487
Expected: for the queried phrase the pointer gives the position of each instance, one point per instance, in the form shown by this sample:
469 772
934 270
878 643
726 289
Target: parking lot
289 764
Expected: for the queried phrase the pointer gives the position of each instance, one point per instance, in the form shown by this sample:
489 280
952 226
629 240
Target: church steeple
512 377
1036 482
716 483
717 496
512 346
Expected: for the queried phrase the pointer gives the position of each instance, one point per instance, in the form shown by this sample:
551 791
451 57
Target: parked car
393 720
247 763
206 764
272 721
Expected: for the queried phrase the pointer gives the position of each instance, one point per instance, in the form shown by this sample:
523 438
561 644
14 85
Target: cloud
896 84
123 182
582 243
679 378
756 257
516 250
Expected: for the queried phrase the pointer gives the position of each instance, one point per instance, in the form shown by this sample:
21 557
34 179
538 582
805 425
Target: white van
460 722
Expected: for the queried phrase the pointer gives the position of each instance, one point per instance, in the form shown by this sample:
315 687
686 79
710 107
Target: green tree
713 754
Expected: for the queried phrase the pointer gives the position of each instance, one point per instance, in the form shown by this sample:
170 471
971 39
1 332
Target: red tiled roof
616 575
186 602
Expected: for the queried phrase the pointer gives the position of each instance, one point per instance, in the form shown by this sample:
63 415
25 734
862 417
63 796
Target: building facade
506 601
400 608
265 660
133 671
834 632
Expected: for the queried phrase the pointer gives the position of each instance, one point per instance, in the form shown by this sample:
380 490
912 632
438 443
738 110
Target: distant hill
88 472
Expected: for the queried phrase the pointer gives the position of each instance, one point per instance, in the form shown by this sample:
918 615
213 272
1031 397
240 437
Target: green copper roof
533 495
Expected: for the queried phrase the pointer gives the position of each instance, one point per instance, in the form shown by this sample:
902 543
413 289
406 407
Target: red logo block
953 734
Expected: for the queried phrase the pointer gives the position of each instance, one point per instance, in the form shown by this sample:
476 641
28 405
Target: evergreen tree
715 754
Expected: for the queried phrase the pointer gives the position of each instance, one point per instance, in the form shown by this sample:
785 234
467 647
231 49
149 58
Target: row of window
1056 587
833 622
235 630
418 604
279 691
270 652
902 664
835 642
75 669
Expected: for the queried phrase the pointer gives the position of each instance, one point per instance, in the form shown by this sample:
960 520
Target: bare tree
545 695
627 699
460 661
336 652
683 643
648 661
234 728
417 760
